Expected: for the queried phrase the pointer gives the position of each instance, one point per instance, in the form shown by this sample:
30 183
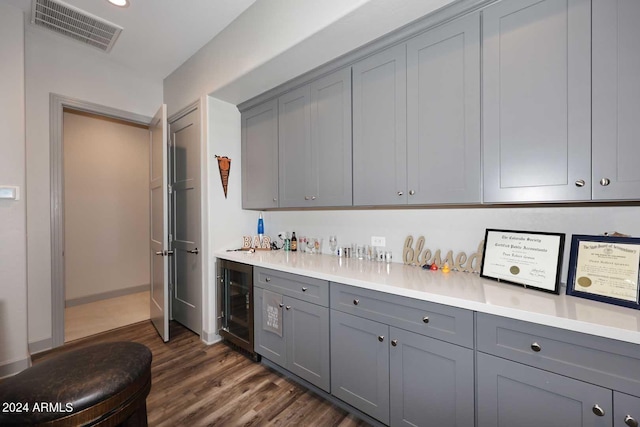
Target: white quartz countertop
464 290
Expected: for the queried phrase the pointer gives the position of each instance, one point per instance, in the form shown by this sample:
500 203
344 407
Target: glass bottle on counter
294 242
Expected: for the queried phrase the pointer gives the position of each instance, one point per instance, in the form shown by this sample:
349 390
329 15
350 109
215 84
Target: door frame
57 104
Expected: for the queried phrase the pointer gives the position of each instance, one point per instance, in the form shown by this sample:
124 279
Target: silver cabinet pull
304 289
275 200
598 410
195 251
411 192
536 347
313 197
380 338
425 319
630 421
356 301
400 193
580 183
281 305
288 307
268 279
605 181
394 342
306 197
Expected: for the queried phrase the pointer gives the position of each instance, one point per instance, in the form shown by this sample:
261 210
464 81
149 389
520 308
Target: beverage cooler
235 304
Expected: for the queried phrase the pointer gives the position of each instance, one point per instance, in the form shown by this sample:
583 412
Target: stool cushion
73 383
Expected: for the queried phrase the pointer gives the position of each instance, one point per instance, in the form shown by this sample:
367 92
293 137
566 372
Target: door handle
195 251
160 253
168 253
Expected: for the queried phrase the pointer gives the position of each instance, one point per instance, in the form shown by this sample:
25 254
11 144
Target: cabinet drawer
454 325
602 361
304 288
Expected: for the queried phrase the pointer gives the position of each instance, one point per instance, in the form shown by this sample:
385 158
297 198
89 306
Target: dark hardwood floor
194 384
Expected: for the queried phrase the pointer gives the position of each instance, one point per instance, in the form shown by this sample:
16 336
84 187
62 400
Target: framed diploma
605 268
532 260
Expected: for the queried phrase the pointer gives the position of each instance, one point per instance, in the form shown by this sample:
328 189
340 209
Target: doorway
106 223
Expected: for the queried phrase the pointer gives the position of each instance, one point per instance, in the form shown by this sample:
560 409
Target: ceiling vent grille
75 23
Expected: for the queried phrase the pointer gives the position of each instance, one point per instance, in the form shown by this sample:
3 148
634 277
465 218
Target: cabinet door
294 144
267 343
431 381
536 100
626 410
616 100
443 113
379 128
512 394
330 179
360 364
260 156
307 337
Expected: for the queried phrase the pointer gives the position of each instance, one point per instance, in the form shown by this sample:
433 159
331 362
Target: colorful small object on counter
433 267
445 268
426 267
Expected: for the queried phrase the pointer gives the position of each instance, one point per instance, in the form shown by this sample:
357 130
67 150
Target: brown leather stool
100 385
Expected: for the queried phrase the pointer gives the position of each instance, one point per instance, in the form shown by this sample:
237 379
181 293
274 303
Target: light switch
9 192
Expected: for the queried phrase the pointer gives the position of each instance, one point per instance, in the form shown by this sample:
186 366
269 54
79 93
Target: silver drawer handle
598 410
580 183
356 301
268 279
281 305
394 342
380 338
630 421
288 307
425 319
400 193
536 347
304 289
605 181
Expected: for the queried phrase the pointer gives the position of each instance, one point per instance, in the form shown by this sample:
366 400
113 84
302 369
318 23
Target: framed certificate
532 260
605 268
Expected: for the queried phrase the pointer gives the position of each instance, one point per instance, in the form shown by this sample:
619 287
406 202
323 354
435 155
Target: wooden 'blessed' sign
421 256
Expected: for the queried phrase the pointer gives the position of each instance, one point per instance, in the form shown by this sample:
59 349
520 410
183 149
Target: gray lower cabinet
431 381
626 410
360 364
260 156
314 141
536 100
303 348
512 394
616 100
400 377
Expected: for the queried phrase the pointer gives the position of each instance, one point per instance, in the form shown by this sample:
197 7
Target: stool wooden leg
138 418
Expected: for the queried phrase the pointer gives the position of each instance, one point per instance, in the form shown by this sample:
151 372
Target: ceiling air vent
75 23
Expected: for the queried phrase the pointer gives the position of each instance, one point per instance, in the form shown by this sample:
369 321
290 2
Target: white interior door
159 219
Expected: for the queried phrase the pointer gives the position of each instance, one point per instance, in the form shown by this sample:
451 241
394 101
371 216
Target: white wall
55 65
274 41
106 206
13 253
452 229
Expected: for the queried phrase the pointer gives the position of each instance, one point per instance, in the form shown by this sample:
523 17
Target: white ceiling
159 35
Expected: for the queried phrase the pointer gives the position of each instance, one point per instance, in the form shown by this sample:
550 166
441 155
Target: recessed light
119 3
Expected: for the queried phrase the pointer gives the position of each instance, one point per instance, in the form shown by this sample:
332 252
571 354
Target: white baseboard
106 295
13 368
42 345
210 337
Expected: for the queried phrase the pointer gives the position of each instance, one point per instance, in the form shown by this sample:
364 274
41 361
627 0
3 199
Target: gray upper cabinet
443 114
379 128
294 143
536 100
616 100
260 156
330 180
315 143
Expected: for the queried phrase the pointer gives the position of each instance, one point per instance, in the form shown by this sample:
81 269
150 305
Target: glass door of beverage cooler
235 298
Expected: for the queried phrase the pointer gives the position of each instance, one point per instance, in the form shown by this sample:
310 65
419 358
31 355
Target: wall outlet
378 241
